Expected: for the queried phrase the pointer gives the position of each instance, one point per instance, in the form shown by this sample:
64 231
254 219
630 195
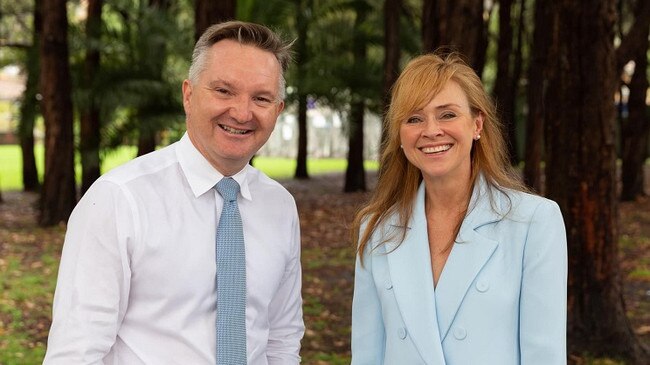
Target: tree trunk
392 11
90 127
503 92
29 105
635 130
581 175
302 23
515 79
208 12
355 175
457 24
148 129
537 86
58 196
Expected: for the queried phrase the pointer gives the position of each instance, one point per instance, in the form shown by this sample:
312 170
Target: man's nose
241 109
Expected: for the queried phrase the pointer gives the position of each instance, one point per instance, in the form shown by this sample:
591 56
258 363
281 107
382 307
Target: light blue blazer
500 300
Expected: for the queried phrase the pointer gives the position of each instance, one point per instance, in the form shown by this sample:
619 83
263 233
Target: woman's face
438 138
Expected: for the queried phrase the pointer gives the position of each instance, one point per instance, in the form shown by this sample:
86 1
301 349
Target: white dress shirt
136 283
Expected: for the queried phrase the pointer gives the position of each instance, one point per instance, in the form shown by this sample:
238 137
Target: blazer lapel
412 279
468 256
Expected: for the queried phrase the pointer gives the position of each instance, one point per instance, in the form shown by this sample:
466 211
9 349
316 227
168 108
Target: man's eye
222 91
262 100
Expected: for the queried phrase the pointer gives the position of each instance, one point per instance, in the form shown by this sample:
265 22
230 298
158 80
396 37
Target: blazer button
460 333
401 332
482 286
388 285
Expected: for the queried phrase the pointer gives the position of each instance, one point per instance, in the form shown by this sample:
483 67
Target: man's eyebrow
215 83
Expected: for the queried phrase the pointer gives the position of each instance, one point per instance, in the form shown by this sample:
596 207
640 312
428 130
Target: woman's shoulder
526 204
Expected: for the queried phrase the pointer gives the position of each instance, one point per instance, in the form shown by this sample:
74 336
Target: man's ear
187 94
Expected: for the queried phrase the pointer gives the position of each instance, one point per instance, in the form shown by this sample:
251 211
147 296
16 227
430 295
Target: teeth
233 130
436 149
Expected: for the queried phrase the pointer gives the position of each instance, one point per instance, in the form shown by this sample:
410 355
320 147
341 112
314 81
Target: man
140 280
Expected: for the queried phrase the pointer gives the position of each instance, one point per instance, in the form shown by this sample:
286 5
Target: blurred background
86 85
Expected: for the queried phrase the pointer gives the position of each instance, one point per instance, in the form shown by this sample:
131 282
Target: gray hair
250 34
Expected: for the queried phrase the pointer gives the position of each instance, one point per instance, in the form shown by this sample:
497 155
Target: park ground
29 259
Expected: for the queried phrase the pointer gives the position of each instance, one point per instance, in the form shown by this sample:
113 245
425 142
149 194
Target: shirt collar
202 176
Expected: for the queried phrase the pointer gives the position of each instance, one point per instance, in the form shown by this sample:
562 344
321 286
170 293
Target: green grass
277 168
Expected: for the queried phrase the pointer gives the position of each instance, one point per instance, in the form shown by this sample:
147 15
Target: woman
457 264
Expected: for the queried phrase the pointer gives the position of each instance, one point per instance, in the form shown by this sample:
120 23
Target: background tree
635 129
208 12
392 10
304 9
90 124
459 24
537 86
504 93
29 103
355 175
58 196
581 174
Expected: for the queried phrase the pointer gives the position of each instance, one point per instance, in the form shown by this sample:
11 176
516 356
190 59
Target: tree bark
537 86
208 12
635 36
29 104
58 195
392 11
503 92
302 57
456 24
90 127
581 175
636 129
515 79
355 175
148 129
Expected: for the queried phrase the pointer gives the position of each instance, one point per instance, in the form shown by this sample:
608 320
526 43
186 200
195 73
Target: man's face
232 108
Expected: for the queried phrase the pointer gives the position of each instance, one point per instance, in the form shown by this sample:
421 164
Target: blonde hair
420 81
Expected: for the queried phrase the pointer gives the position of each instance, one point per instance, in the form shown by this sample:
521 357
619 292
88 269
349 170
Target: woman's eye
447 116
413 120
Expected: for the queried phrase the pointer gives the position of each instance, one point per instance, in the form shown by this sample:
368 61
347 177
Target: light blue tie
231 279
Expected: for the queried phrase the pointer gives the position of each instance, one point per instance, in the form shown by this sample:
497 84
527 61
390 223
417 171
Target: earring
478 136
401 146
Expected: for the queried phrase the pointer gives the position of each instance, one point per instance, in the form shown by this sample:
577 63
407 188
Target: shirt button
460 333
482 286
388 285
401 332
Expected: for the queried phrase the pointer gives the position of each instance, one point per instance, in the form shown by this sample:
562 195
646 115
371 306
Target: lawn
277 168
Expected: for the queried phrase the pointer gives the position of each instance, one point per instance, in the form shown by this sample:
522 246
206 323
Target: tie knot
228 188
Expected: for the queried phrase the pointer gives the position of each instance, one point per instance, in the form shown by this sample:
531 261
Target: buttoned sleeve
286 326
543 301
368 332
93 280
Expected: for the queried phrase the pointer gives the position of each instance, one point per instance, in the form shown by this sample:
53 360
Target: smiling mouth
436 149
234 130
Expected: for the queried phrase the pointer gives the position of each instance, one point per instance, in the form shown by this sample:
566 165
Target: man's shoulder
145 166
268 187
